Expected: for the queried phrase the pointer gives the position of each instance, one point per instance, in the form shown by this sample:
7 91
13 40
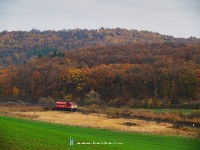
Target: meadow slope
22 134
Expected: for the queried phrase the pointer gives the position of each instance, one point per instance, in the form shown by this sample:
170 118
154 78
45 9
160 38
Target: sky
179 18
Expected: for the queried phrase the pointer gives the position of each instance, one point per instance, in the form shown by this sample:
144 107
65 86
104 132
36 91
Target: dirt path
101 121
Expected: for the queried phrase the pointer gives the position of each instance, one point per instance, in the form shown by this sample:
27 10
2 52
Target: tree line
147 75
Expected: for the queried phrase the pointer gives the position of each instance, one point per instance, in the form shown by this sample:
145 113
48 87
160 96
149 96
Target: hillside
138 75
140 53
19 46
116 67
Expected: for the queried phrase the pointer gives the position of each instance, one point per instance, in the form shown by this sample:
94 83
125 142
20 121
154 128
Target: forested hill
115 67
19 46
142 75
151 54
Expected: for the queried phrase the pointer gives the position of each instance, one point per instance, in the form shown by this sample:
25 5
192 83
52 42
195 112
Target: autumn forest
115 67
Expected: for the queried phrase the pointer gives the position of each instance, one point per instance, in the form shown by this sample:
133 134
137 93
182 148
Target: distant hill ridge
19 46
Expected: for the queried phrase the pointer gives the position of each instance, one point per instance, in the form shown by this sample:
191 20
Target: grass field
184 111
16 134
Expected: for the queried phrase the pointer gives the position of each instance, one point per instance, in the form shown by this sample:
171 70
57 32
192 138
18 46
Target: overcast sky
180 18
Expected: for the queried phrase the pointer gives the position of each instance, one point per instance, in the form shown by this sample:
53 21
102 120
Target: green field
19 134
184 111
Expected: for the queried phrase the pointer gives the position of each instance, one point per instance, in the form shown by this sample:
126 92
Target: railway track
24 104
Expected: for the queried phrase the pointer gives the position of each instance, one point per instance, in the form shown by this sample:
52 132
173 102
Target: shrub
46 101
92 98
149 103
93 108
130 103
118 102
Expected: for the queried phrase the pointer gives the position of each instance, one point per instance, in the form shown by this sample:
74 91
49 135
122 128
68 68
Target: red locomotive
71 106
